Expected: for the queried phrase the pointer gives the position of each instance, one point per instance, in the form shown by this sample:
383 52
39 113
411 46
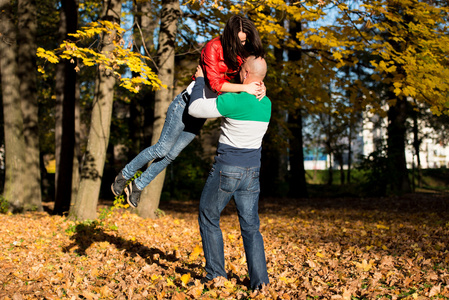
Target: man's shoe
132 194
118 185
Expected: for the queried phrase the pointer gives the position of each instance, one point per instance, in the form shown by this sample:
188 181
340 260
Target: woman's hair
232 46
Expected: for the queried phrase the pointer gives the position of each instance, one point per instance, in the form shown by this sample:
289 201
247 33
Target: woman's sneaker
118 185
132 194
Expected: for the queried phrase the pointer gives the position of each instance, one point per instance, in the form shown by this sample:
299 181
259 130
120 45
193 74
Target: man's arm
201 107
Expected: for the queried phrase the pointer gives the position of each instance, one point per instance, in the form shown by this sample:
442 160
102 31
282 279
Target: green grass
432 180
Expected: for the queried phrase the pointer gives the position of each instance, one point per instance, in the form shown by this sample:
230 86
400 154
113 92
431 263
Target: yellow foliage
411 48
113 60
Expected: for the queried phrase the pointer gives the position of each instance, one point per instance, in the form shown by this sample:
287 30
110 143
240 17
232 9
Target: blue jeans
179 130
243 183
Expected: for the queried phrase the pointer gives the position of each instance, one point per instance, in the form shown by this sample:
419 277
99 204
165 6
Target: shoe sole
112 189
128 194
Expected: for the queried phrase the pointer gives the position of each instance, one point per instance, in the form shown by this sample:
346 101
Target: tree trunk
397 166
330 178
397 115
94 158
416 145
26 38
274 161
15 165
65 114
298 184
77 150
171 12
348 174
342 169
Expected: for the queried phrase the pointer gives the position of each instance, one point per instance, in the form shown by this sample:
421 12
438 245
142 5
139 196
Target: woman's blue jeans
243 183
179 130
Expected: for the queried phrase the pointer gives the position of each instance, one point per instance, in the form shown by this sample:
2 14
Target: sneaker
118 185
132 194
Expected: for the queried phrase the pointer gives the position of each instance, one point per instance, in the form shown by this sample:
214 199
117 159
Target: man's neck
249 80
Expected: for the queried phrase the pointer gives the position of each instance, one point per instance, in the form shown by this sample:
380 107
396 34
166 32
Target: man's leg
213 201
247 200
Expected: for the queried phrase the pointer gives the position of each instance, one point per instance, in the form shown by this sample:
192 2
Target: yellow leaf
287 280
380 226
185 279
154 277
228 284
365 266
195 252
170 282
337 55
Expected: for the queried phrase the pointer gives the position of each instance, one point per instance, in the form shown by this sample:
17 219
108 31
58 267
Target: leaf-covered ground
392 248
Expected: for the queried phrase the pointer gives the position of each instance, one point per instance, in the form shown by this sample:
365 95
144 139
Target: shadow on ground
416 203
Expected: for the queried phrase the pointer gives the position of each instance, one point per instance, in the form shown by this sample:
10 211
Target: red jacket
214 67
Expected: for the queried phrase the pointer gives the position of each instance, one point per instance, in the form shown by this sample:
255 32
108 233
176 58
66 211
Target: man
235 171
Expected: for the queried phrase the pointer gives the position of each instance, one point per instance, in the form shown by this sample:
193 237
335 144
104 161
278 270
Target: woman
221 59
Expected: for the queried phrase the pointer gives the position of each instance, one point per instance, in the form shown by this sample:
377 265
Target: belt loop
185 96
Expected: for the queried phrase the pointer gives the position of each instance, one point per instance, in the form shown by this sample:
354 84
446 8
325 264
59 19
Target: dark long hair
232 46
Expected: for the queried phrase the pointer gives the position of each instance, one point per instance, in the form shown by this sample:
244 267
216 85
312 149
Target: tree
170 14
26 38
14 140
94 157
65 116
298 186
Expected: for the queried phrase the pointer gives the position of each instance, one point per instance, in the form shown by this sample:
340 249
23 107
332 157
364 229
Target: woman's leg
172 129
159 164
191 129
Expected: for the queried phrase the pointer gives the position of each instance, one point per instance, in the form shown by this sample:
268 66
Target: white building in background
433 154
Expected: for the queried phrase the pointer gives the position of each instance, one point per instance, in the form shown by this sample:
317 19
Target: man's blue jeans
243 183
179 130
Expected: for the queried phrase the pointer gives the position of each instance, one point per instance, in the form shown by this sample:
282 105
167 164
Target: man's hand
199 72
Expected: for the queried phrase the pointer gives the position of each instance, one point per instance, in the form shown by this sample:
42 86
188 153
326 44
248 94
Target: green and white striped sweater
242 128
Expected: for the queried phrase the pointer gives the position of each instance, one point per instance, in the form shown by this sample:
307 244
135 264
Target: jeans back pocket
229 182
254 183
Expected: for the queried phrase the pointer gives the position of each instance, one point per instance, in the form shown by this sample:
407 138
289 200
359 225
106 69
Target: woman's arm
252 88
199 106
257 89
